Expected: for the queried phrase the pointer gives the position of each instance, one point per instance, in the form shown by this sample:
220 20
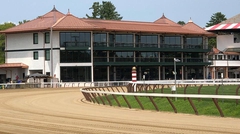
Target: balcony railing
147 59
149 45
75 44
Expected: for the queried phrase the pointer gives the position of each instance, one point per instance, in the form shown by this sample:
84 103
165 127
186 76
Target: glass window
35 55
123 56
124 38
151 39
75 74
47 55
148 41
35 38
74 56
75 39
172 40
194 40
100 39
47 37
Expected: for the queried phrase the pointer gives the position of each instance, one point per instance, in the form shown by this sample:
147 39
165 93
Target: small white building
226 57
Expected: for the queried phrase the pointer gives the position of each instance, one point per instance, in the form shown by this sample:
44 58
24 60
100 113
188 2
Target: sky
200 11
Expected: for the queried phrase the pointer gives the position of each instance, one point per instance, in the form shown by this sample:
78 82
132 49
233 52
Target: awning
223 26
13 65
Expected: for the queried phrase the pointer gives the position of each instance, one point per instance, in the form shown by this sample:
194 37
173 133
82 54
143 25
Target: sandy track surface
49 111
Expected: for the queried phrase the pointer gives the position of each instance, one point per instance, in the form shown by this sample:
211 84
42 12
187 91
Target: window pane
76 39
35 38
47 37
35 55
47 55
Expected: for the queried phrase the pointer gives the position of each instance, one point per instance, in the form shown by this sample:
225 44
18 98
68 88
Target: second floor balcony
149 47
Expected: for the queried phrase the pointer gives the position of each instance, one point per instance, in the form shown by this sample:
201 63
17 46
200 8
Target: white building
226 57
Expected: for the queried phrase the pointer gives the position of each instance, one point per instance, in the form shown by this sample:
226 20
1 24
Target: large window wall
76 46
75 39
121 40
171 40
123 45
193 57
169 56
193 42
146 40
100 73
99 39
100 56
147 56
75 56
75 74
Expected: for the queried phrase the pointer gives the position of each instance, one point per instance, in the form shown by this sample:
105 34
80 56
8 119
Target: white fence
116 83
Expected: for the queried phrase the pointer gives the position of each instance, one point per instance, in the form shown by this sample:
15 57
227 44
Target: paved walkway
56 111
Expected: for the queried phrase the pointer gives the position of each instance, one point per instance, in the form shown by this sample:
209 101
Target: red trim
236 26
215 26
226 26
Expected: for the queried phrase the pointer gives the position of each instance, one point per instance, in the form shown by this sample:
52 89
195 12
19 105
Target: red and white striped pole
134 74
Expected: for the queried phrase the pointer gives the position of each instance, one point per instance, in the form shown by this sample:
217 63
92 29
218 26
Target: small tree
24 21
2 40
106 11
181 23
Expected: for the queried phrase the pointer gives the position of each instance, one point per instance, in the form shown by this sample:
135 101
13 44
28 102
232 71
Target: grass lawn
204 106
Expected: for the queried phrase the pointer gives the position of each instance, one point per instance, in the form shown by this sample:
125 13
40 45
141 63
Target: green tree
24 21
181 23
106 11
215 19
212 42
4 26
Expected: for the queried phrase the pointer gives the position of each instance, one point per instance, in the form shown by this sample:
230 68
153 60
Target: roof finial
68 11
190 20
163 16
54 8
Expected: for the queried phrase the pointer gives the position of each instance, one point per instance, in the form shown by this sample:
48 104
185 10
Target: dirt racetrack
56 111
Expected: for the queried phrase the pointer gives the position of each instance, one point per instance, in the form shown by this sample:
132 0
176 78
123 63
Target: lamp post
175 74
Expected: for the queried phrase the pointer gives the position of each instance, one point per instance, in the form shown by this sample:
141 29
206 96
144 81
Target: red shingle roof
217 51
70 22
131 26
165 20
192 26
13 65
41 23
59 21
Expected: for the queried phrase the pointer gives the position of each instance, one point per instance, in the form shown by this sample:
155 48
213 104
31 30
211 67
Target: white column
91 49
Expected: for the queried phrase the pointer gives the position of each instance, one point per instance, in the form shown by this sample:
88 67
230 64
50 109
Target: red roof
192 26
131 26
217 51
165 20
58 21
70 22
13 65
40 23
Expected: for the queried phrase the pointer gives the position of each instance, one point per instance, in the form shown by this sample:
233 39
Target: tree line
107 11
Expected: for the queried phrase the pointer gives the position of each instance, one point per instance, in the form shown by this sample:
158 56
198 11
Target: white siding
24 41
226 41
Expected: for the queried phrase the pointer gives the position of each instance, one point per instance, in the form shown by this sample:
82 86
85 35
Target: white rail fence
114 83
